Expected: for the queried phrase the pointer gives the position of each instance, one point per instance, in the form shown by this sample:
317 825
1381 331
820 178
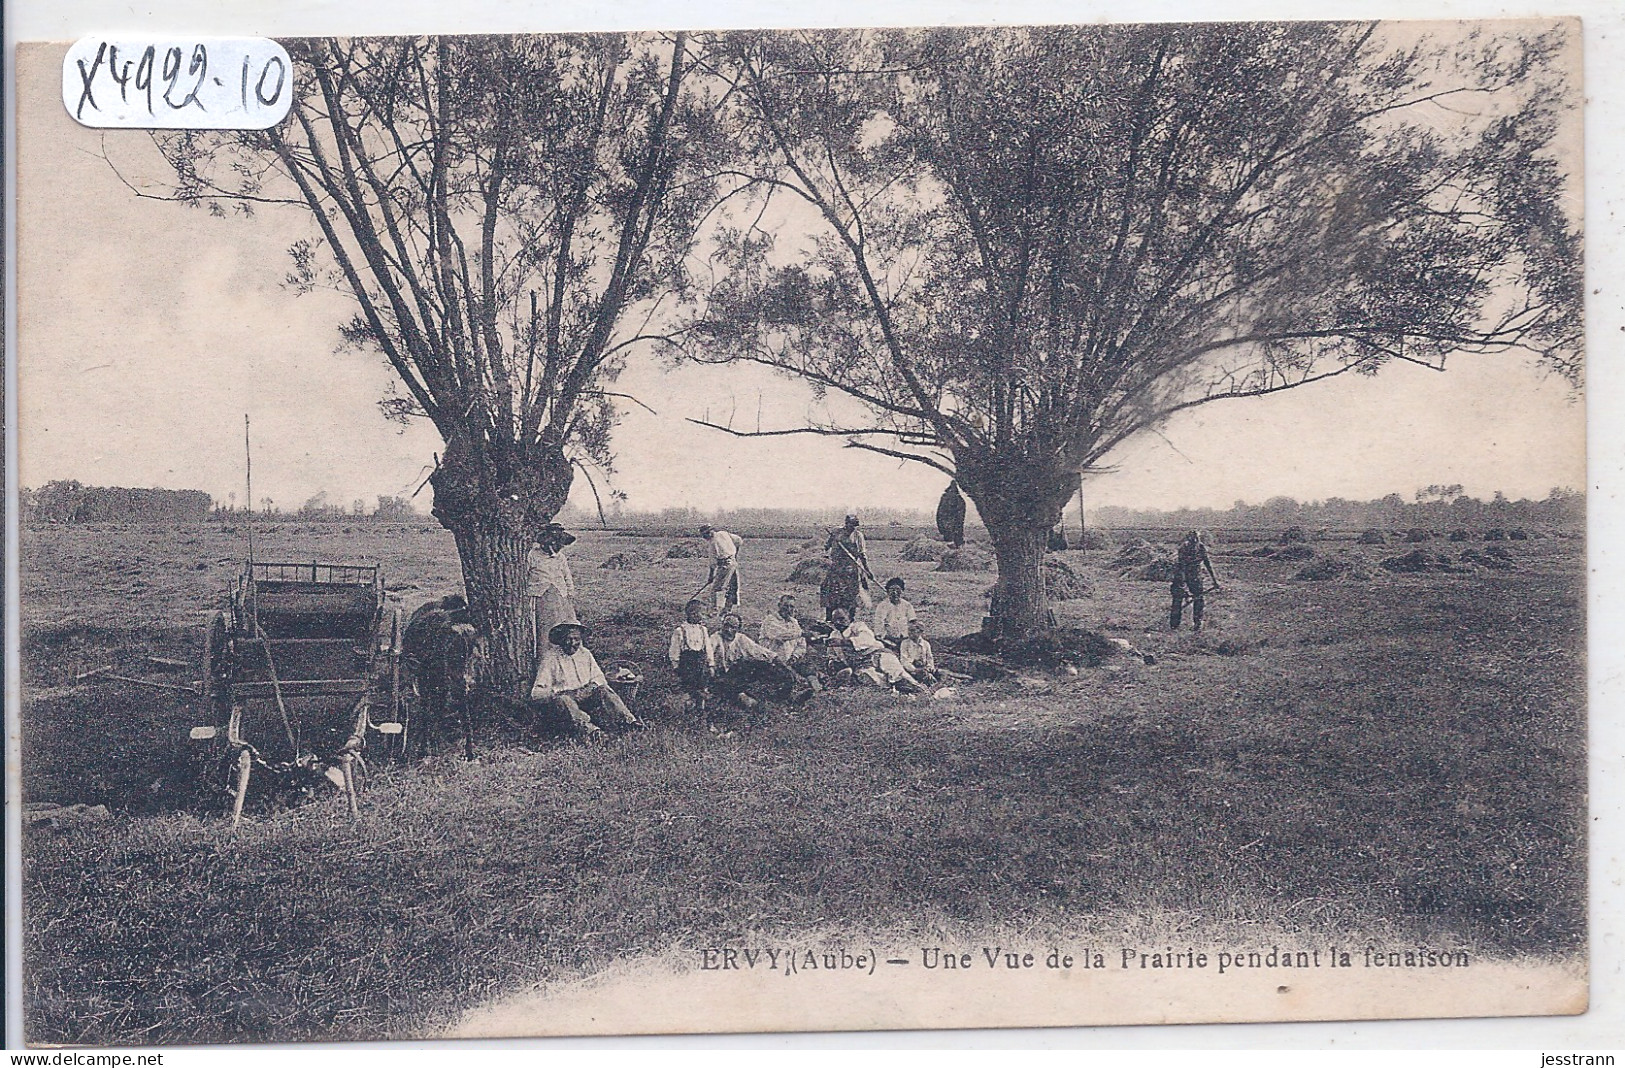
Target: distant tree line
743 520
1435 508
67 501
322 509
70 501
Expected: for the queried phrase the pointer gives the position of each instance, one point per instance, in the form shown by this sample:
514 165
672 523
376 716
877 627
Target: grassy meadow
1401 757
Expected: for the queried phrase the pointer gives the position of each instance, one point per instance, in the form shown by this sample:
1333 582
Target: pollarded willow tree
1031 245
506 213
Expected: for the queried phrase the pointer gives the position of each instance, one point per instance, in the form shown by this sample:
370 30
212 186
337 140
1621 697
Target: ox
447 657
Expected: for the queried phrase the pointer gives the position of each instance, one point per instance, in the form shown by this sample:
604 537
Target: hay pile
1372 537
1098 539
630 560
1460 535
1294 553
810 572
1424 561
1344 565
1160 570
1293 534
1495 534
1416 535
1063 582
969 558
926 551
1142 560
685 550
1138 553
1494 558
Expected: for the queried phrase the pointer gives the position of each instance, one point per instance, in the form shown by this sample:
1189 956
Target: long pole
248 466
1083 529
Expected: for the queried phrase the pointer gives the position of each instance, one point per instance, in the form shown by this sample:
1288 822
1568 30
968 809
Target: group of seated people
791 658
731 664
788 661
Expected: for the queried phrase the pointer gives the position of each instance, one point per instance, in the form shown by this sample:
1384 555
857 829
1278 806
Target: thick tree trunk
1020 605
495 504
1020 504
494 571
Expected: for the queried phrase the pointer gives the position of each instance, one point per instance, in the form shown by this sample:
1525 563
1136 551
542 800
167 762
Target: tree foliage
495 205
504 212
1034 244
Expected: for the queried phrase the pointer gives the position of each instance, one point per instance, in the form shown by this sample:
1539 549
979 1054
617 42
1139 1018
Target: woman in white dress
549 583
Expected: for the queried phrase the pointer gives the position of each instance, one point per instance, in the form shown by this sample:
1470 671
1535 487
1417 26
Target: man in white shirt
723 582
781 633
570 682
742 665
867 657
893 615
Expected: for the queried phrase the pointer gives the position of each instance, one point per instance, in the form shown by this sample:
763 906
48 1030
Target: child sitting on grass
916 655
690 655
893 616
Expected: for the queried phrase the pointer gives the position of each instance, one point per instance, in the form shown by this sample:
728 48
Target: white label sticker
204 83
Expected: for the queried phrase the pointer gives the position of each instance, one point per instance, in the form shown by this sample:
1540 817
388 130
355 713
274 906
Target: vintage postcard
807 530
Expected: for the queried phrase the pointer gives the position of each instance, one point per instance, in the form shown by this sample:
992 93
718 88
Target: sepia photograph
838 529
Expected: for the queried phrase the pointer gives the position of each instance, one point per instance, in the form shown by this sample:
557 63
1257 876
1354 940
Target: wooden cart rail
299 688
326 574
295 638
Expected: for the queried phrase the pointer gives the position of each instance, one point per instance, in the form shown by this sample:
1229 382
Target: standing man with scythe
845 584
723 581
1187 580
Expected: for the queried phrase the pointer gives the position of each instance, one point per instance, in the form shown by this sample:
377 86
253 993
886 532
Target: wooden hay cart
299 673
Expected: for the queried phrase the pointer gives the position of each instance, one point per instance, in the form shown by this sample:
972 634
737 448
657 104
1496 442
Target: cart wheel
350 769
398 708
408 719
355 776
216 636
395 660
213 774
395 709
386 691
245 767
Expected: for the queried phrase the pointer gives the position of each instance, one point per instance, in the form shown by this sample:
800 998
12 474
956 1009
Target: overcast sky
147 331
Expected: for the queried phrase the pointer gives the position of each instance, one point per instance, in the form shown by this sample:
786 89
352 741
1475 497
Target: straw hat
556 635
556 533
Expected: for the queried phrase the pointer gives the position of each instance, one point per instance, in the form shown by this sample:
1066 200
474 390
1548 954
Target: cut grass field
1402 758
